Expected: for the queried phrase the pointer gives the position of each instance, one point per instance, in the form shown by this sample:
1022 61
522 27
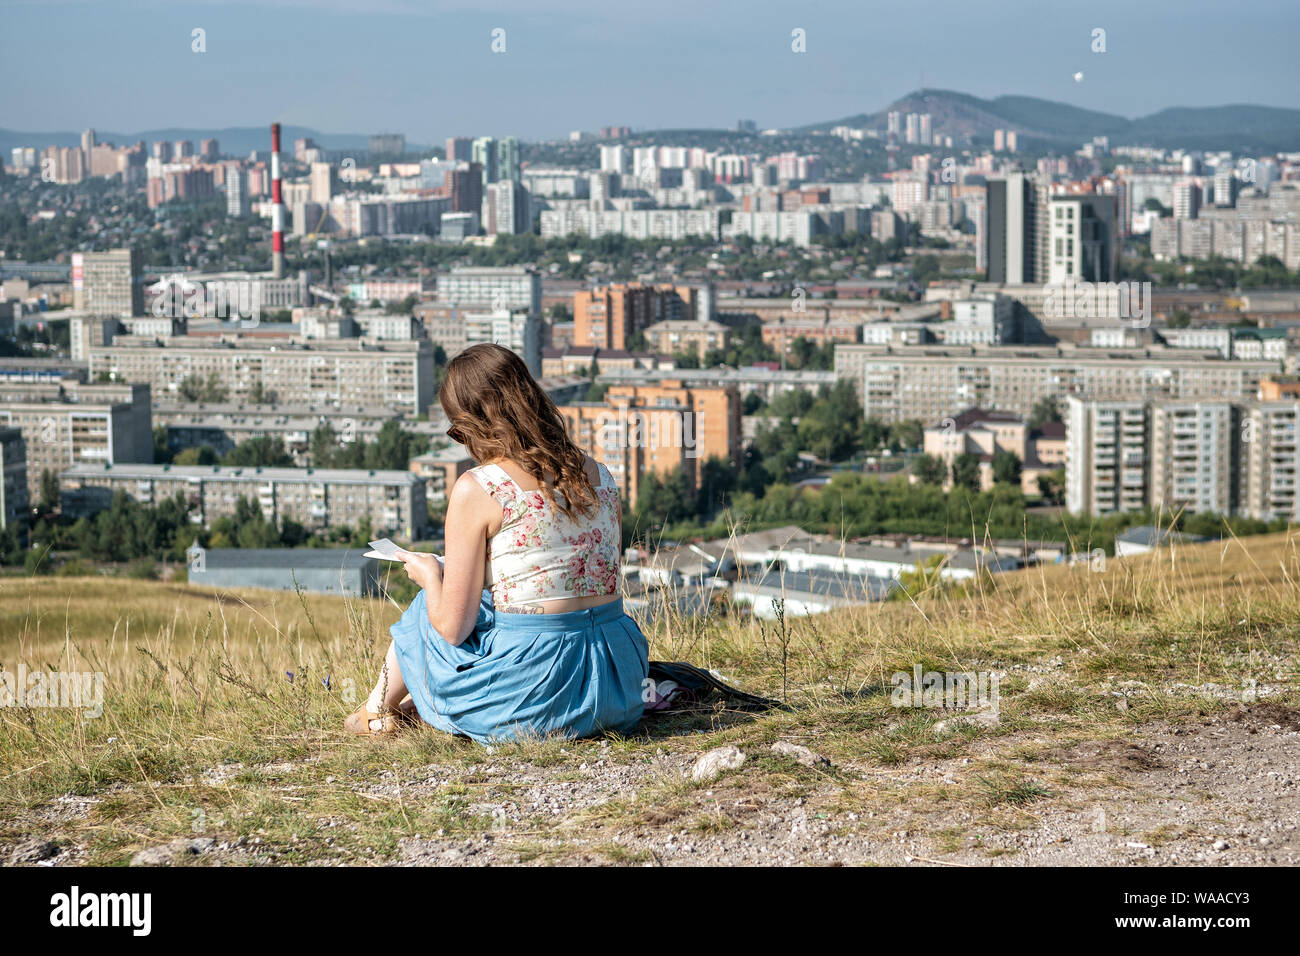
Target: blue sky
426 68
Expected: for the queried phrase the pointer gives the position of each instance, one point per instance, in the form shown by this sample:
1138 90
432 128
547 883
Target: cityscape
854 374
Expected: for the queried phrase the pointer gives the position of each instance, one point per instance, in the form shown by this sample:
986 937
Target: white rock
711 764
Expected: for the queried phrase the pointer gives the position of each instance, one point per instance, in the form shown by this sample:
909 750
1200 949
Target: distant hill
965 117
232 141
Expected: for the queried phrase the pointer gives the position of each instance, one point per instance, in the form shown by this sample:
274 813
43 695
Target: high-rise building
107 283
162 151
615 158
926 129
208 150
184 148
1226 187
13 478
1194 457
608 316
508 167
516 329
1082 239
484 152
237 203
894 123
77 423
322 182
460 149
1270 458
465 188
506 208
661 428
1012 229
1187 199
1106 457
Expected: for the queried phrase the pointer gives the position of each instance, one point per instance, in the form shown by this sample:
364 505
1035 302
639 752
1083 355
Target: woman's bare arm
453 597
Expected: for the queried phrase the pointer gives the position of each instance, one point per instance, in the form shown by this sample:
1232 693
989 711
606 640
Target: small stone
800 753
33 851
983 719
1220 845
713 763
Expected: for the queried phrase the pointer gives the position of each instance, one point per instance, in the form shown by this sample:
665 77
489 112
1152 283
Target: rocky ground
1223 790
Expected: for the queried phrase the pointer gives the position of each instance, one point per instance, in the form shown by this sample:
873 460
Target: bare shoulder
468 492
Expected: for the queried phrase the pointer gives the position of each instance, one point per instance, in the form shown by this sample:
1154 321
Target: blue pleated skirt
577 673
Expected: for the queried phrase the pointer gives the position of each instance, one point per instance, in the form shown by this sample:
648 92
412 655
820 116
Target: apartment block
1193 455
454 328
1106 459
223 425
354 372
69 422
927 383
506 287
14 498
609 316
817 327
393 501
658 428
1269 455
107 283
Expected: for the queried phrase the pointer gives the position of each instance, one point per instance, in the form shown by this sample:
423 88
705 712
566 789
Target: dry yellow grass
197 681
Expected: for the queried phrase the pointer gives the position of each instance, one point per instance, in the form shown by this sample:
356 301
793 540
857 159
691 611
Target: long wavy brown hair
497 410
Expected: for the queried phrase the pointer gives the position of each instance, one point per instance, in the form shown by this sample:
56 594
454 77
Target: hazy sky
427 69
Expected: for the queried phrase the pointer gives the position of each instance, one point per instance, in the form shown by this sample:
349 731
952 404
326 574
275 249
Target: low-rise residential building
342 571
985 434
440 469
697 337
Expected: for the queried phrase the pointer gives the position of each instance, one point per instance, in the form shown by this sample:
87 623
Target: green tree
929 469
203 455
1046 409
48 500
966 471
1052 486
1006 468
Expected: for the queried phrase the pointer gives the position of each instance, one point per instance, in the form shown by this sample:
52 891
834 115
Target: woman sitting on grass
551 649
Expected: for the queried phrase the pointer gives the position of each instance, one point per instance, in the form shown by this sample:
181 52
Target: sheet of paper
385 550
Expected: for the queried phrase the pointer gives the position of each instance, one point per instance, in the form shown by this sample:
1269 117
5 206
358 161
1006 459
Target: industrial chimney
277 207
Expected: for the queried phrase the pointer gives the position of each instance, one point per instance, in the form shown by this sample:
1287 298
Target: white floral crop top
540 554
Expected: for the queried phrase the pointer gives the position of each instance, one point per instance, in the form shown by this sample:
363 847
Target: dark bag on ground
676 684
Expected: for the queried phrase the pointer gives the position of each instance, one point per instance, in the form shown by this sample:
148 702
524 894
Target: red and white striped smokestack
277 207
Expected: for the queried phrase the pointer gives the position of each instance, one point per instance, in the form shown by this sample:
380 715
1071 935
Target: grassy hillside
205 736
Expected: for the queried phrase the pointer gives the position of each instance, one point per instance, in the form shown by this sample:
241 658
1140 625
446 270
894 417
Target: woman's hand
423 569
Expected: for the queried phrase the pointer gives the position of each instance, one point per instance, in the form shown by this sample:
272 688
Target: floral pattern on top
540 554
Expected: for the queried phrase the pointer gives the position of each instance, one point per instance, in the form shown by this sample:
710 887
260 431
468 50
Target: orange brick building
657 429
608 316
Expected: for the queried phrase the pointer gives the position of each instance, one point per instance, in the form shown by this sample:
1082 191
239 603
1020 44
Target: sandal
358 722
